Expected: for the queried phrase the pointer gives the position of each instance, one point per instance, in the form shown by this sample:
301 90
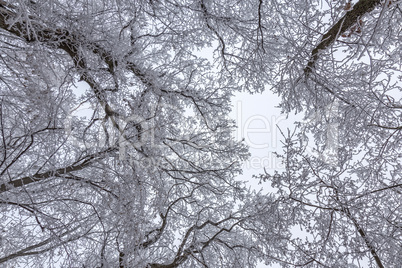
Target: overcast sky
258 118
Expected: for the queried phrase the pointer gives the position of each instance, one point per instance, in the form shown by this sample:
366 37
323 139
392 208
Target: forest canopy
146 177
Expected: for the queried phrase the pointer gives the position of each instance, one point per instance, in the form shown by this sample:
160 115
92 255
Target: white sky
258 118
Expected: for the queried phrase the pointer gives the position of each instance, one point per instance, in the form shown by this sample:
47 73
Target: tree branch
366 240
65 170
183 254
28 250
348 20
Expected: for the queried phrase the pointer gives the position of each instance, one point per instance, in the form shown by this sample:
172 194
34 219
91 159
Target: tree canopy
146 176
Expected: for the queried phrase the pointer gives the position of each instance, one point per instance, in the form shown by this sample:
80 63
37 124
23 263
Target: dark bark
366 239
61 171
346 22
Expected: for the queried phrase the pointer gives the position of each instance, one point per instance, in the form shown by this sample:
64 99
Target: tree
342 191
147 179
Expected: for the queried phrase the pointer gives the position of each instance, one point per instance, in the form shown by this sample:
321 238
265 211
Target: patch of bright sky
258 120
84 110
